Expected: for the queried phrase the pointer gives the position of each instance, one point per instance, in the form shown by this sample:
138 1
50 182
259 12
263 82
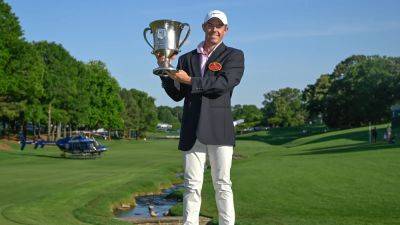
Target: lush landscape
306 156
281 177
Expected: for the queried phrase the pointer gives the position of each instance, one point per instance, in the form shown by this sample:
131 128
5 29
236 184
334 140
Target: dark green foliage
10 34
42 83
250 113
284 108
21 72
176 194
170 115
360 90
140 111
131 114
105 102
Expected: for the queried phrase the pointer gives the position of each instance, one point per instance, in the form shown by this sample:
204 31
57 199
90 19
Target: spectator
374 135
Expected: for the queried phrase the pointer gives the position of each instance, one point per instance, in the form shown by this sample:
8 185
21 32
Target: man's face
214 30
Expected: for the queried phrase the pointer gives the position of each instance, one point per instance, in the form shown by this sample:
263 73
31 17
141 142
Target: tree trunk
59 131
39 129
49 127
34 128
53 130
23 124
4 127
65 131
13 127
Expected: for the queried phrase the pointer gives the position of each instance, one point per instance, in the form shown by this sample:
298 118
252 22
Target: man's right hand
161 59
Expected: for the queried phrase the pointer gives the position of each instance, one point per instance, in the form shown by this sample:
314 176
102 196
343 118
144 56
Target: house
164 126
237 122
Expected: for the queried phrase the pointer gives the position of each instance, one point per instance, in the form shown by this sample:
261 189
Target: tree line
43 86
360 90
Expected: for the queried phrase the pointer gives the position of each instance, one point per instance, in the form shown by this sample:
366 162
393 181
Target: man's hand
181 76
161 59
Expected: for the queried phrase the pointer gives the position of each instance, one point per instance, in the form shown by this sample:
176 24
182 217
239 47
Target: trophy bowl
166 37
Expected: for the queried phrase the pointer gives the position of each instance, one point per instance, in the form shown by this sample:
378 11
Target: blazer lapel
217 52
195 61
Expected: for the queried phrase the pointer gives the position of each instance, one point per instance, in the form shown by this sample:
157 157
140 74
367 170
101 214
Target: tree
10 33
168 115
21 71
131 114
178 113
284 107
22 81
315 96
60 84
364 92
148 112
250 113
106 105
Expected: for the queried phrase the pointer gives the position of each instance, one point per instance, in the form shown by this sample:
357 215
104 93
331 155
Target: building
164 126
237 122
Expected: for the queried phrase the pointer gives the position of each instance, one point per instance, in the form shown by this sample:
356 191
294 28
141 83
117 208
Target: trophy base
163 71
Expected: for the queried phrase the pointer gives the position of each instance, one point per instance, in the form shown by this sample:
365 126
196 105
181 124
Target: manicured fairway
38 187
331 178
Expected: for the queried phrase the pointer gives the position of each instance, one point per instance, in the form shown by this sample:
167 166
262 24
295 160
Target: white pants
194 163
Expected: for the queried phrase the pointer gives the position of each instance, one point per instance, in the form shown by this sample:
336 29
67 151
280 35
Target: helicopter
81 146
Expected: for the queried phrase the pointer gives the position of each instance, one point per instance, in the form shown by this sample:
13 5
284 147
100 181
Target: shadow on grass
42 155
280 136
351 135
348 149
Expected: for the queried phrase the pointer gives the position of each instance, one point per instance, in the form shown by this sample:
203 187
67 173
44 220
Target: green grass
39 187
284 178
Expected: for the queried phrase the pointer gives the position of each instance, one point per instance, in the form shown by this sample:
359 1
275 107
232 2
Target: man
206 78
22 140
374 134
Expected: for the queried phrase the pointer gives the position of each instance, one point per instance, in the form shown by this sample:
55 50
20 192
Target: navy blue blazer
207 112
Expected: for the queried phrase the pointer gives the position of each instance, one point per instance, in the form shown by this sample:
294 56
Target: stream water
160 203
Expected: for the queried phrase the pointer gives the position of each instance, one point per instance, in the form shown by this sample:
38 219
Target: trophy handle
145 37
187 34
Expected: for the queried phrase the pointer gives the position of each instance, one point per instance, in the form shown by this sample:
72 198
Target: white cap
216 14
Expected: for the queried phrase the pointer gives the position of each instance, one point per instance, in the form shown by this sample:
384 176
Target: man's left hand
181 76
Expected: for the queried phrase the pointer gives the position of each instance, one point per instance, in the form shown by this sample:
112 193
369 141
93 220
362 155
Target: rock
166 213
169 220
152 212
125 206
237 156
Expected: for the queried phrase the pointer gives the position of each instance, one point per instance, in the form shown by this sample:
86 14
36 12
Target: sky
286 43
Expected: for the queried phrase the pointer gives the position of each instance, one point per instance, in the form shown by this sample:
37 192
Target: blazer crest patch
215 66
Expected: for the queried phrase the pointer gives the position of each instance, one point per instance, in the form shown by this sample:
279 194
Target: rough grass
283 178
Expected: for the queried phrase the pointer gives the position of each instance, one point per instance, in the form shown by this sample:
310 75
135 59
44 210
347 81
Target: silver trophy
166 36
